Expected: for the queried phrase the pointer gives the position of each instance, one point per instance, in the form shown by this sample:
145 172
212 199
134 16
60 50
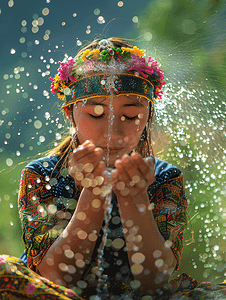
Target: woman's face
118 129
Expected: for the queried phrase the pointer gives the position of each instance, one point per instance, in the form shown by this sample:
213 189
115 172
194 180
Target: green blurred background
188 39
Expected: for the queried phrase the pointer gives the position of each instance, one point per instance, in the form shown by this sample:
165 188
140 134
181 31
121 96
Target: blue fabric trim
124 84
23 257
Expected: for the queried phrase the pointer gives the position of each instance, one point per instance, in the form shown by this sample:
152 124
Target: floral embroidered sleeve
170 211
34 198
46 203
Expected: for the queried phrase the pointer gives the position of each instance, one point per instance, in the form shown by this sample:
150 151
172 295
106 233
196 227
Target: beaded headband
112 71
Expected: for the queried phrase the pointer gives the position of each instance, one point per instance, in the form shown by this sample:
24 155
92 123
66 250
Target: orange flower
83 57
134 50
95 53
60 96
89 52
138 52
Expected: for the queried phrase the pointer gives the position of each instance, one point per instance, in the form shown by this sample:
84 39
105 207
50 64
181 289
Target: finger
88 168
122 174
89 162
151 161
82 151
91 180
132 170
114 177
146 166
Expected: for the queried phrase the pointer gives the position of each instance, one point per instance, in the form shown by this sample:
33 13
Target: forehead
130 100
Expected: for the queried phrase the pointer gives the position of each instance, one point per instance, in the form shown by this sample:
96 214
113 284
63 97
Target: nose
114 129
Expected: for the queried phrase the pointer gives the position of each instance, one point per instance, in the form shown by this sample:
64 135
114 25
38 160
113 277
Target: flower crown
76 76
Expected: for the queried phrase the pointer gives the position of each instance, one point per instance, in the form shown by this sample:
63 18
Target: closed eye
101 116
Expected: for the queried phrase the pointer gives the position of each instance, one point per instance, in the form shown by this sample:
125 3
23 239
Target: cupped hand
86 166
133 175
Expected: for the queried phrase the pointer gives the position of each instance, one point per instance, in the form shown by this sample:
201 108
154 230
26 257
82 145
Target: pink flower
66 69
3 259
139 64
52 84
30 288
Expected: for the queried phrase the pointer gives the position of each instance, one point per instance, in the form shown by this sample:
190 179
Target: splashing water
189 132
108 209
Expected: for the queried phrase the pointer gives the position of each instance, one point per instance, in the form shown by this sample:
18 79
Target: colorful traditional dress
47 201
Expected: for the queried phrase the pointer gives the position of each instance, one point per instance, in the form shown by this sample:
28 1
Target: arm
75 245
154 243
150 259
72 251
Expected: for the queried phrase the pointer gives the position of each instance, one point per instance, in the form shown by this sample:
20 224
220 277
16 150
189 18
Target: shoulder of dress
163 173
44 165
165 170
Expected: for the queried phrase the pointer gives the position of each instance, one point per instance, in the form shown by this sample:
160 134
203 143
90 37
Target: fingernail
98 150
125 155
134 154
117 161
86 142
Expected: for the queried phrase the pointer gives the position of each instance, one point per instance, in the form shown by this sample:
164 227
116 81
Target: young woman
113 227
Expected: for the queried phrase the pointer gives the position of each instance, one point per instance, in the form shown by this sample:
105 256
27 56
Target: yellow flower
83 57
57 77
138 52
95 53
135 50
60 96
127 49
63 85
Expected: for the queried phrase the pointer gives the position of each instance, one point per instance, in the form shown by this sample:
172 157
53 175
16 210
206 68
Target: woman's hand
133 175
86 166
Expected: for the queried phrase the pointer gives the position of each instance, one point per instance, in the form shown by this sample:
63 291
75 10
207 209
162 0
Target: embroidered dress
47 201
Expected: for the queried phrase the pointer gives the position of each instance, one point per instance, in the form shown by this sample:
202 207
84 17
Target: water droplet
37 124
96 203
98 109
45 11
137 269
118 243
138 258
80 263
135 19
157 253
100 20
63 267
96 11
69 253
9 162
159 263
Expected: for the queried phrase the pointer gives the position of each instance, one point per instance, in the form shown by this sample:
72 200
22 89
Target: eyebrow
91 102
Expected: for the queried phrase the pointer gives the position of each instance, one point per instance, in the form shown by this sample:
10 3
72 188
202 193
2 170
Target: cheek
88 129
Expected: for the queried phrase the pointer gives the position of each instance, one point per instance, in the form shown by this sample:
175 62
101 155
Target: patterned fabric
47 200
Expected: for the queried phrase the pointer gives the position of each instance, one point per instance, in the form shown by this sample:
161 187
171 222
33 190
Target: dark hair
144 145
